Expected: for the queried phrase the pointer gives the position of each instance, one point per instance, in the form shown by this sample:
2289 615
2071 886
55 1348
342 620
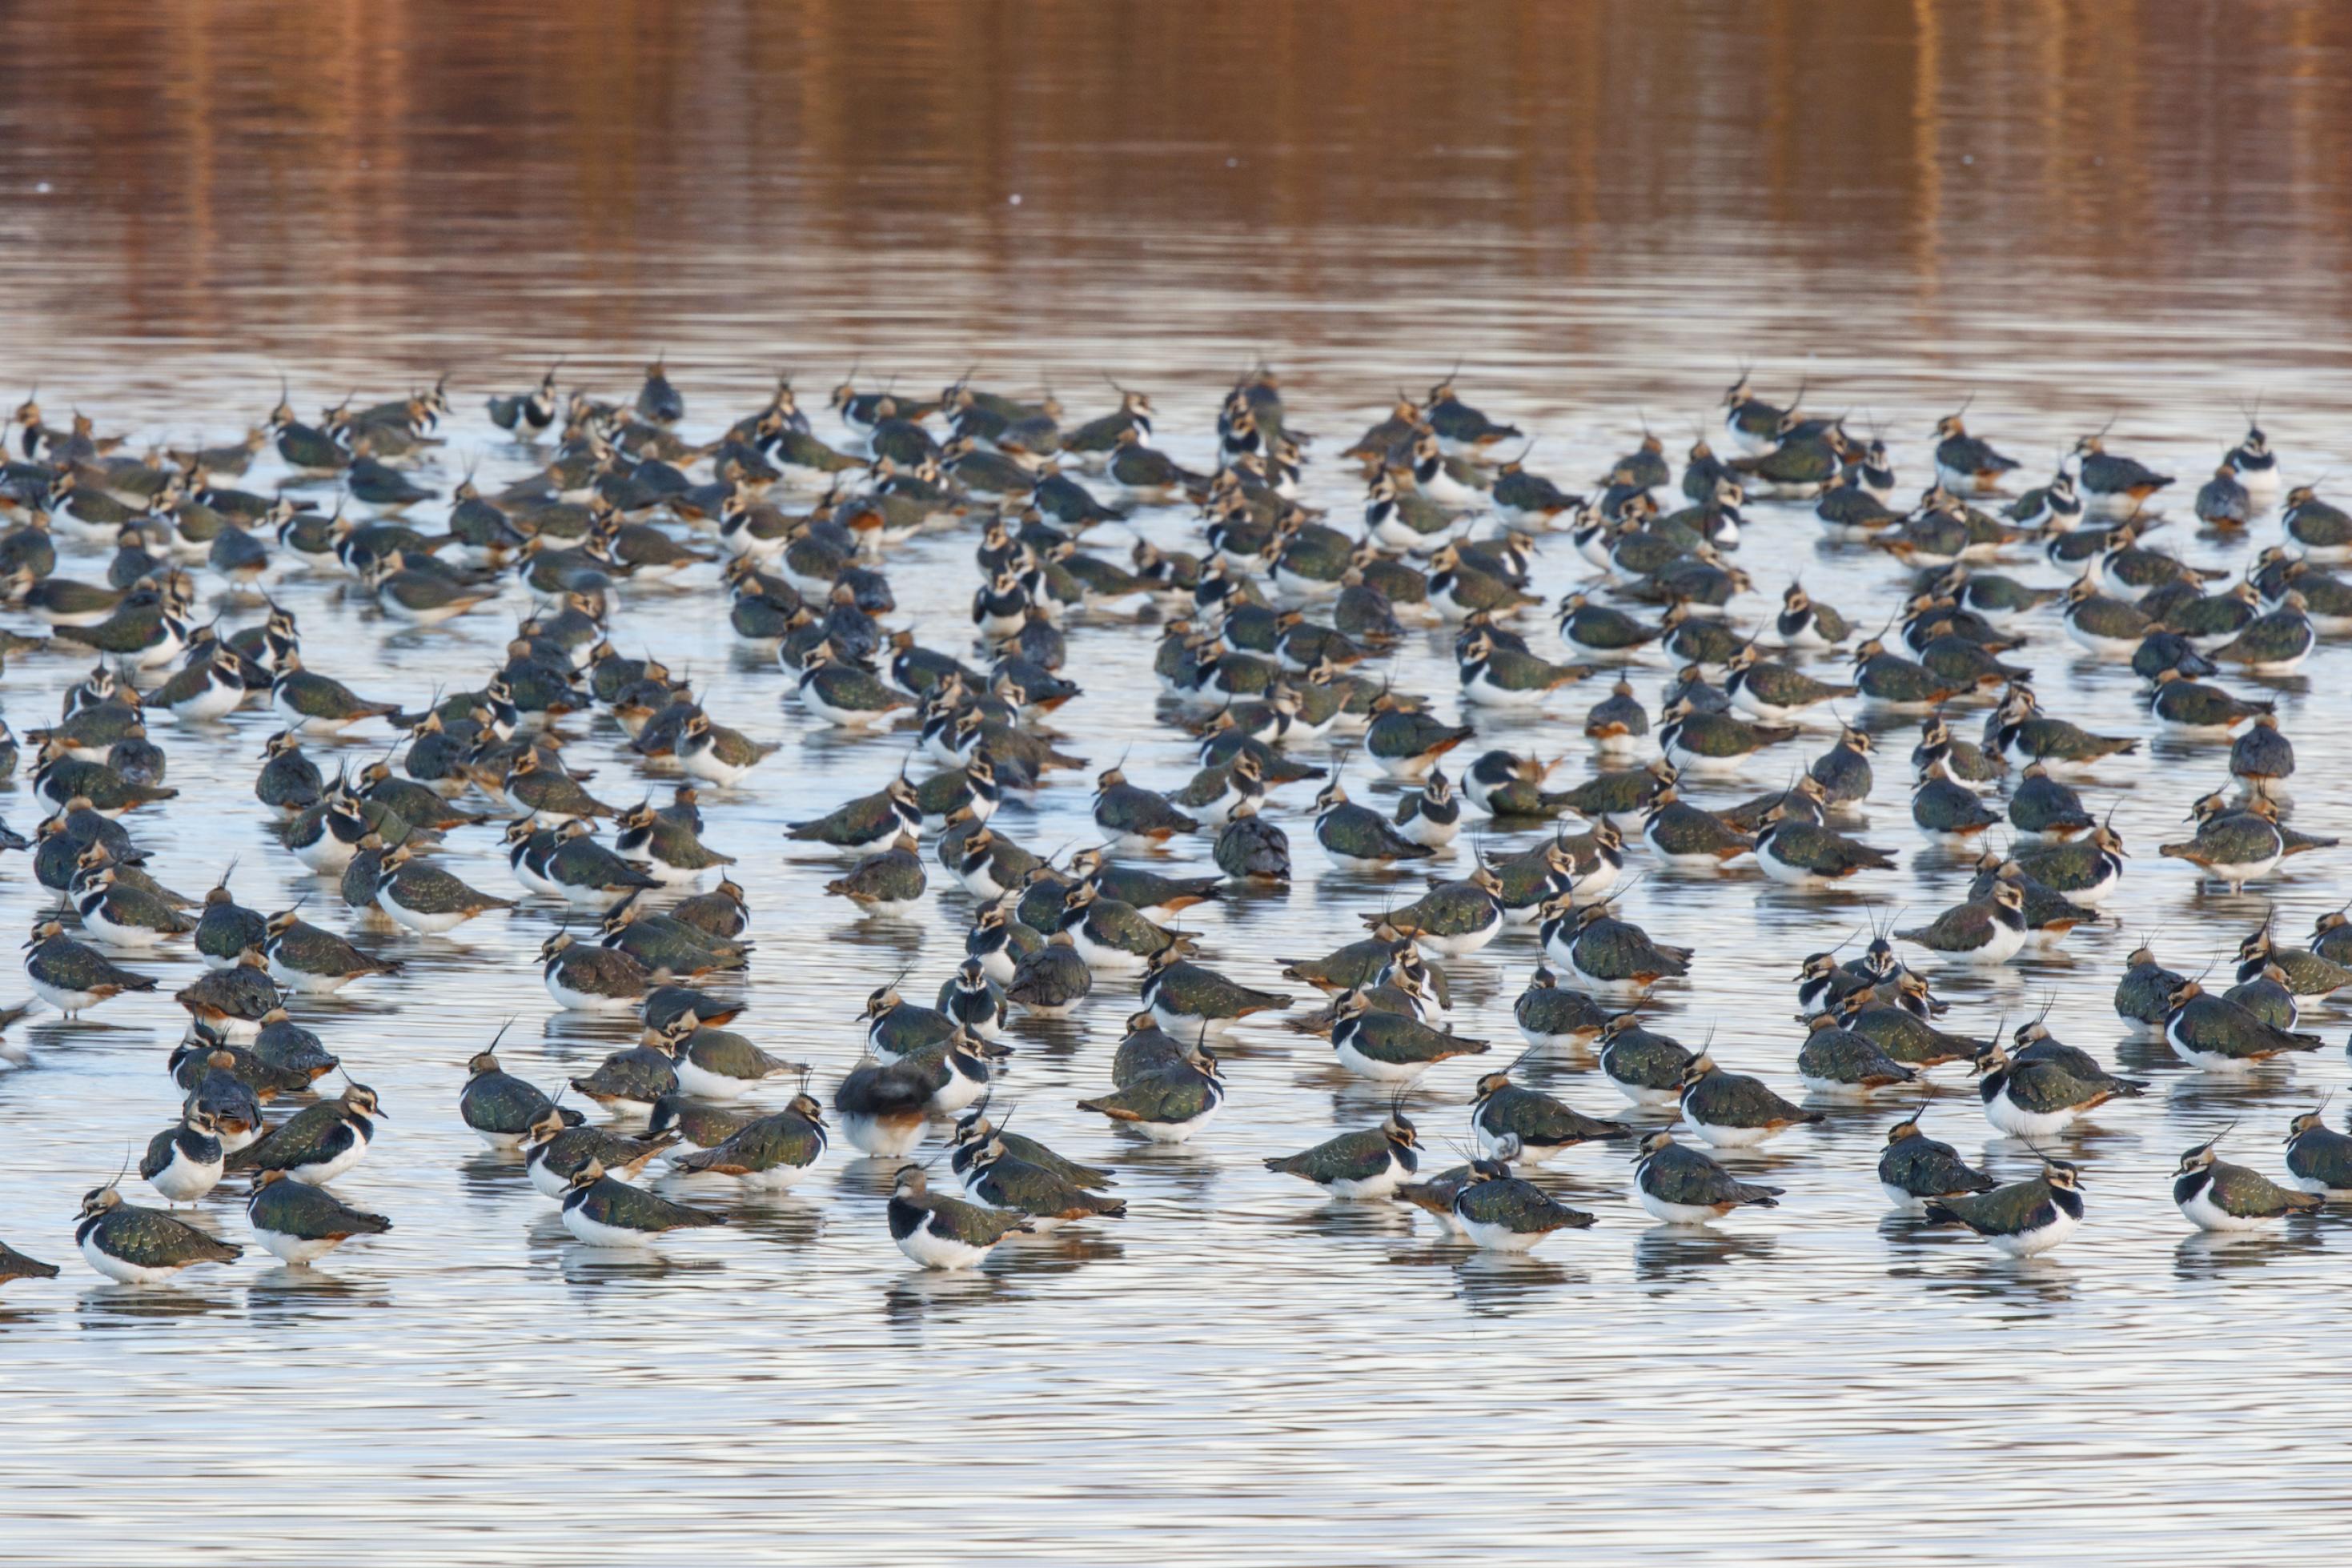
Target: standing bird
1136 818
1544 1126
945 1232
501 1108
299 1223
1965 463
320 1142
604 1212
71 975
1984 931
2025 1219
1171 1105
1915 1170
1372 1163
1733 1111
184 1161
2319 1159
134 1246
1682 1185
2213 1195
1505 1213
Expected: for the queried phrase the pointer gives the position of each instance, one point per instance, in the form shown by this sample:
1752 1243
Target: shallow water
1596 213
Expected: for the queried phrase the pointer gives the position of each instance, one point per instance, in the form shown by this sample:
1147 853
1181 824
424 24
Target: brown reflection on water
214 165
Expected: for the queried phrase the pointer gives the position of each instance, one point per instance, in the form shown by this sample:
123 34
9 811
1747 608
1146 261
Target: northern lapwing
2113 485
184 1161
1610 956
1014 1184
2218 1035
2022 1220
1681 1185
1169 1106
1733 1111
2213 1195
1390 1048
1544 1125
2034 1098
134 1246
770 1154
320 1142
299 1223
501 1108
1986 931
604 1212
1505 1213
940 1232
71 975
559 1149
2318 1158
1369 1163
1915 1170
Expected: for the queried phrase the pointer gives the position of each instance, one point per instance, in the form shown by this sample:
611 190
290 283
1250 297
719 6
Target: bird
185 1161
1016 1185
14 1265
2234 846
1610 956
1915 1170
938 1232
591 979
1186 998
769 1154
559 1149
1553 1017
2317 1157
1733 1111
1544 1126
1369 1163
1454 918
1390 1048
601 1211
2218 1035
1799 853
1967 463
1358 838
1984 931
2035 1098
1505 1213
320 1142
1681 1185
299 1223
501 1108
1839 1062
313 961
1169 1106
310 702
1136 818
2020 1219
135 1246
73 977
2214 1195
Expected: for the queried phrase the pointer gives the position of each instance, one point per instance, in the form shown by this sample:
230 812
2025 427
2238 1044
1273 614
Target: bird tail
1938 1213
